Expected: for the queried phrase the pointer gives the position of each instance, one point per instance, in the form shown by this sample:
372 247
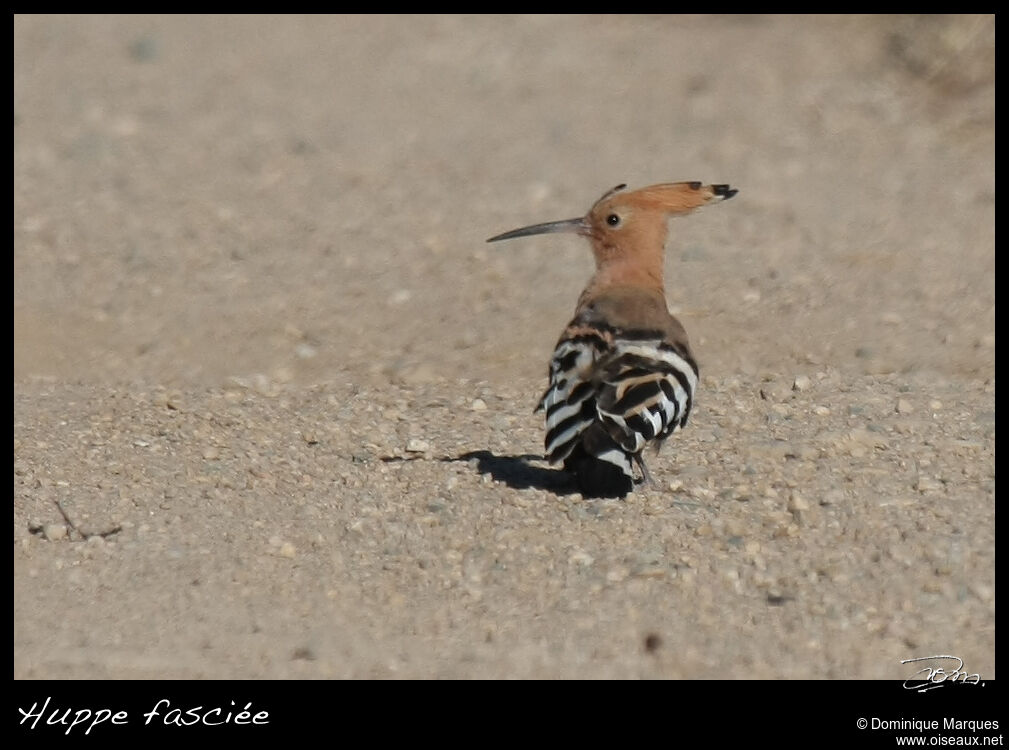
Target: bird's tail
601 467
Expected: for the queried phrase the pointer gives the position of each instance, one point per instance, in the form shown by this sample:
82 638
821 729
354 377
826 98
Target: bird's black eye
613 220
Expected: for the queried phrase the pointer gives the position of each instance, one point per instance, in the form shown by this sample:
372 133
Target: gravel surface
273 393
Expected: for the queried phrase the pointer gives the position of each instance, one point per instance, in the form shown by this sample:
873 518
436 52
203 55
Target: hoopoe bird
622 374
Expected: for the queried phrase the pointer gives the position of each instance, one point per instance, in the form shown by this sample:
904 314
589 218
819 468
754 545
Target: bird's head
622 221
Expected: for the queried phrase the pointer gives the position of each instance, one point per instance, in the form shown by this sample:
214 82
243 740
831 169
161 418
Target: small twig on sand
83 535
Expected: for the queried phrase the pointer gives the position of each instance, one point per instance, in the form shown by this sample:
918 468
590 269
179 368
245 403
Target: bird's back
622 376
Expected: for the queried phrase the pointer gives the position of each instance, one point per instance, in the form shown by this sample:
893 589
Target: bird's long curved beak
578 226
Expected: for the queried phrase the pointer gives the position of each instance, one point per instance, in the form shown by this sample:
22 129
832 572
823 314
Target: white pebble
305 351
54 531
416 445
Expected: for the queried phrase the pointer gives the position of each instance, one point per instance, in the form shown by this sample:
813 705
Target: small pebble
927 484
416 445
797 503
832 497
54 531
983 592
305 351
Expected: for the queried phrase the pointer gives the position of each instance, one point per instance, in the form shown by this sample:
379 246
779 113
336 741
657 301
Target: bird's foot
646 477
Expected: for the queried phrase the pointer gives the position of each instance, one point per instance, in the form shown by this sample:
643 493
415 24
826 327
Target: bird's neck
620 268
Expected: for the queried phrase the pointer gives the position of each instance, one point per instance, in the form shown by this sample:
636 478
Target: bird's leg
646 478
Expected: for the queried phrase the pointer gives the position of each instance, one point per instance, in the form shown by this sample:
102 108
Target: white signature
935 676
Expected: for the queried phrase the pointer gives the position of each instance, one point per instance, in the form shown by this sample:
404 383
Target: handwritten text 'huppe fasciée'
162 713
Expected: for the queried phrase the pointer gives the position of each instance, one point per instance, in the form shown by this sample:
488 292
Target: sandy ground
273 392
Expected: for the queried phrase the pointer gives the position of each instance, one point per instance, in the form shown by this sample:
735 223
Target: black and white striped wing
610 394
569 400
646 388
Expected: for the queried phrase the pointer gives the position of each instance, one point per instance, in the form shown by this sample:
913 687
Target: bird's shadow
518 473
